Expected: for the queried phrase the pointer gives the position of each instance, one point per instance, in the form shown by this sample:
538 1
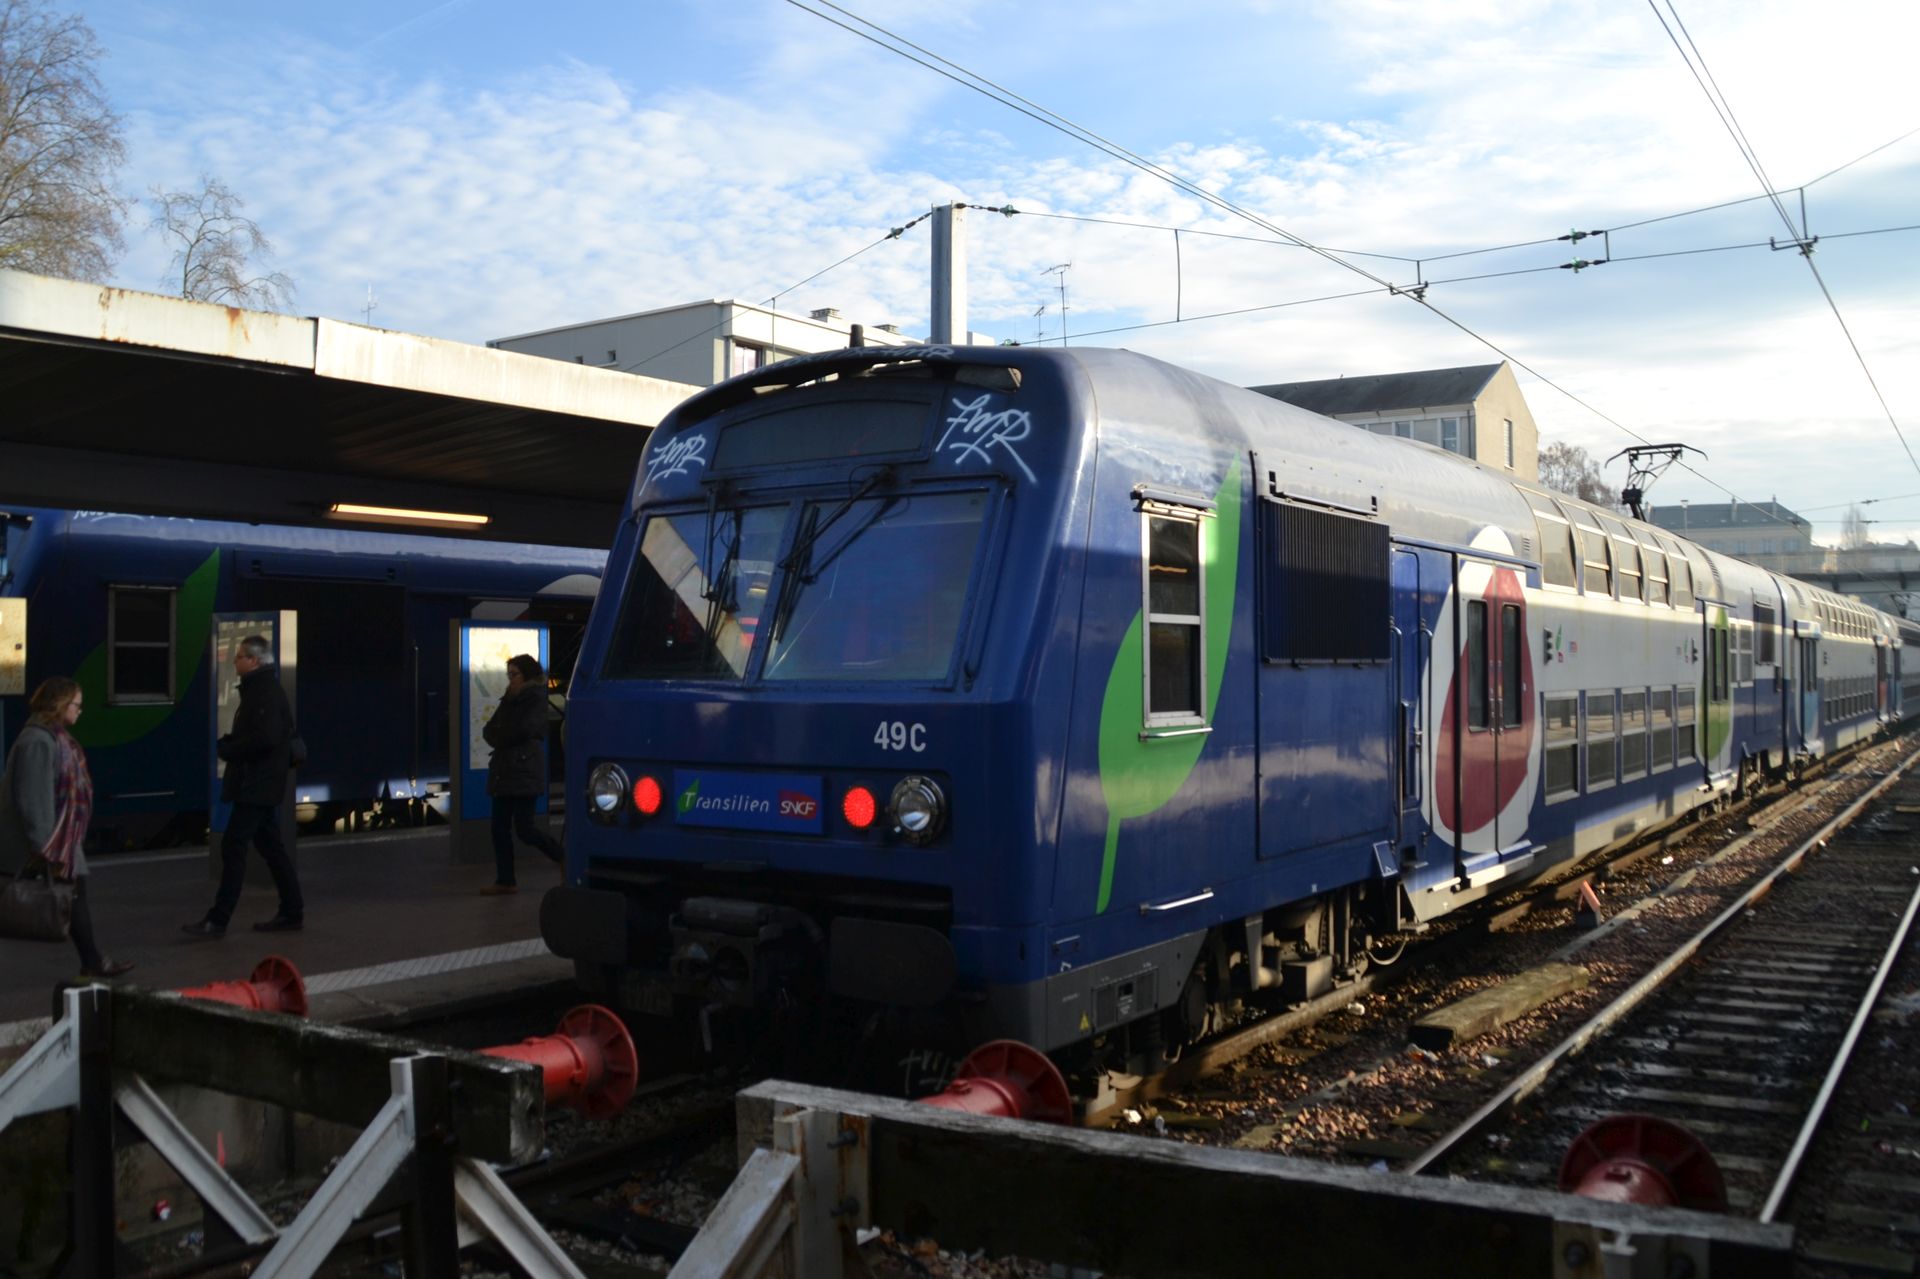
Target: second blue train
124 604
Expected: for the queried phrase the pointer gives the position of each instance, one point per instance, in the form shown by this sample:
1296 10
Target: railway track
1742 1034
1457 939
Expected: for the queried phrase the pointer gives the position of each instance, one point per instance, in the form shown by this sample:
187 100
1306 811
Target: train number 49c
894 735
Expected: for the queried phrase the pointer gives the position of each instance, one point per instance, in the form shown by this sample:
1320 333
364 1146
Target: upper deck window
698 591
877 593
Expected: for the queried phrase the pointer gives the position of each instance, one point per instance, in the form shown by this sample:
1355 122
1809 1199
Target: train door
1411 643
1491 726
1715 643
1810 728
1881 704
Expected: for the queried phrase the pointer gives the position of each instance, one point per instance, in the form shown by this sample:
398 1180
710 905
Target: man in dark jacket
258 753
517 773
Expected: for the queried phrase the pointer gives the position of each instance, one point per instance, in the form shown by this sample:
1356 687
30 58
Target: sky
481 168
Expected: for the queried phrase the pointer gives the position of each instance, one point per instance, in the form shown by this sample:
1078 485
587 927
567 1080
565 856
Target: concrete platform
392 924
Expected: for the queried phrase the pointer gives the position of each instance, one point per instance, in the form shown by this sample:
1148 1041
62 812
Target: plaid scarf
72 799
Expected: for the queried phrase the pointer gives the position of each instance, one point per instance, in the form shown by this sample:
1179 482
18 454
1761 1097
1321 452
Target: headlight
918 808
607 789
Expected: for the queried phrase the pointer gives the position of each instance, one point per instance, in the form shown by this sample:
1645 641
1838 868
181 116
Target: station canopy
122 401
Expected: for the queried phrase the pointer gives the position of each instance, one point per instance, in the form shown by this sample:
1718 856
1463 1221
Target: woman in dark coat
517 773
46 801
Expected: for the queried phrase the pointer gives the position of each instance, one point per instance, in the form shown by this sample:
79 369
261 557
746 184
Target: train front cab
804 728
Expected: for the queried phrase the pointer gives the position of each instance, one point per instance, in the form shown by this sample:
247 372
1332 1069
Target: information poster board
481 678
13 647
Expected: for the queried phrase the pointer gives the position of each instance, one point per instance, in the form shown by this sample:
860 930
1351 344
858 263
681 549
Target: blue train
124 604
1076 698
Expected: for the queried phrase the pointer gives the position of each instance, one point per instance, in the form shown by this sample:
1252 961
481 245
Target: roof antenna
1645 464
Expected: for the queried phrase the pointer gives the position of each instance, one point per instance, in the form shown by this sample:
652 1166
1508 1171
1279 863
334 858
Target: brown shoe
499 890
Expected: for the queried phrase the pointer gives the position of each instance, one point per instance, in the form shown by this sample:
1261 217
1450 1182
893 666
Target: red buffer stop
589 1064
274 987
1008 1079
1641 1159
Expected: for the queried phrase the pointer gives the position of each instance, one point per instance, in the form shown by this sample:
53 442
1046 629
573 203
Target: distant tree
214 247
59 147
1853 529
1567 468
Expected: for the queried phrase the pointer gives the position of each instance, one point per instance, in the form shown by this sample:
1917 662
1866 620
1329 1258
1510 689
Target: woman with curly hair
46 801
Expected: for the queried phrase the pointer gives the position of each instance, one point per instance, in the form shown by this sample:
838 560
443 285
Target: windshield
878 591
698 590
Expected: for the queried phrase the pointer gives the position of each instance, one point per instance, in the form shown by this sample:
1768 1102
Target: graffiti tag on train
677 457
982 430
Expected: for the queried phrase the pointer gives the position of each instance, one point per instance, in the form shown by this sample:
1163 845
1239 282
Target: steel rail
1436 1155
1783 1185
1224 1047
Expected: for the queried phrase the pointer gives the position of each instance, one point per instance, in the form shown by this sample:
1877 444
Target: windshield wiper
795 565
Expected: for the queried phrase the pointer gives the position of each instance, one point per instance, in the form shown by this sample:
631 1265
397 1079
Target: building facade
1476 411
1757 531
699 343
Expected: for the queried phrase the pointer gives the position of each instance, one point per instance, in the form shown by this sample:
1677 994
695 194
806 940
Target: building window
1450 434
1509 422
140 644
1403 430
1175 652
745 357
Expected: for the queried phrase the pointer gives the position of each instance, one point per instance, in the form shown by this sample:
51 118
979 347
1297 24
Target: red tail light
858 807
646 796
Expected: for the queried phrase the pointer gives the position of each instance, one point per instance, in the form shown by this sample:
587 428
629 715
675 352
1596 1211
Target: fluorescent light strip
400 515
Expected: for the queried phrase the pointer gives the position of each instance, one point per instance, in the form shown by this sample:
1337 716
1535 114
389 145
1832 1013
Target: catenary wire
1042 116
893 234
987 88
1717 99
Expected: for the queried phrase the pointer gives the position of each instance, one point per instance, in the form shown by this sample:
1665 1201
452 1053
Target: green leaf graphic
690 796
1137 776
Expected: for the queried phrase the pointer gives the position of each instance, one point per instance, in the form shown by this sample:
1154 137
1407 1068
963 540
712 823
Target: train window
1560 712
1633 733
1657 592
1717 683
806 430
1683 721
1601 730
1512 666
877 594
1743 652
1175 651
1327 596
1660 743
1477 655
1679 574
140 630
1598 562
1556 553
695 600
1763 647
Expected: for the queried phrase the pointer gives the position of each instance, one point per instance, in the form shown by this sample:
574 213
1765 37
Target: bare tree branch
59 147
1568 468
215 246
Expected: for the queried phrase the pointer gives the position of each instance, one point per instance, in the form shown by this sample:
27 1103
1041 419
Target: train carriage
1073 697
124 604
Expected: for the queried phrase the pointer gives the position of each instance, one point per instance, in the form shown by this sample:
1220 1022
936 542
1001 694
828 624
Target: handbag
36 906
